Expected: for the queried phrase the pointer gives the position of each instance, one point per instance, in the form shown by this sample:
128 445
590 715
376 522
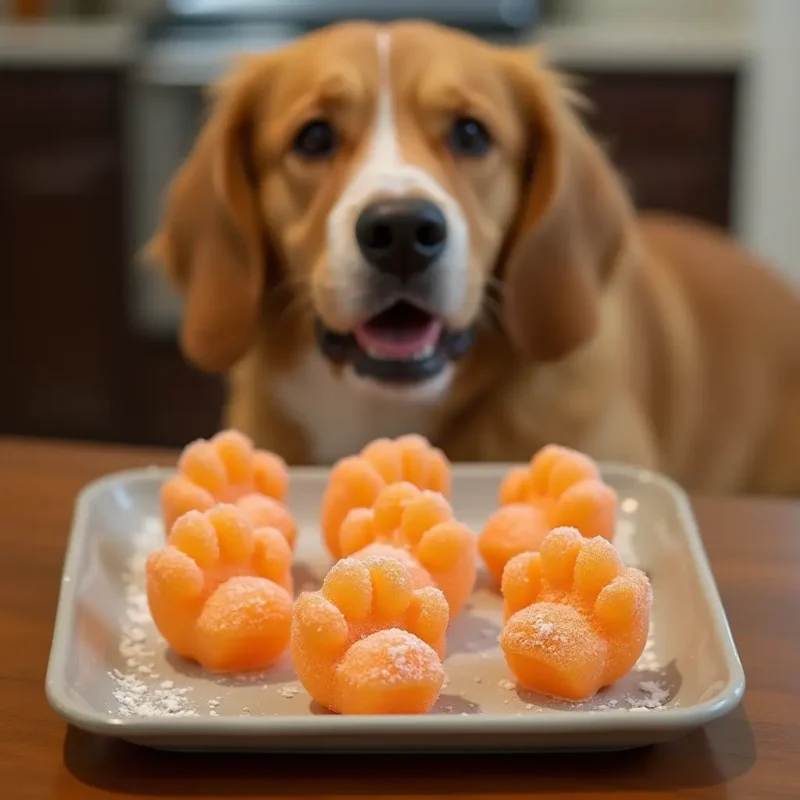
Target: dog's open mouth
402 344
401 333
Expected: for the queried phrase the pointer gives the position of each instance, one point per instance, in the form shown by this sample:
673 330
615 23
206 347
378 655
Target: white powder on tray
134 696
138 699
654 695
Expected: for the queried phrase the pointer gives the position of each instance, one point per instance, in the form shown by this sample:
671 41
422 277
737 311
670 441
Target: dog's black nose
402 236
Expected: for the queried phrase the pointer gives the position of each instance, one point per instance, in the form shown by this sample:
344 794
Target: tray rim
554 722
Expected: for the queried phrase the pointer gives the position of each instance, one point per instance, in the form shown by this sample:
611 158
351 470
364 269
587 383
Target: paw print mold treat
220 590
576 617
356 481
223 469
368 642
560 487
512 529
417 528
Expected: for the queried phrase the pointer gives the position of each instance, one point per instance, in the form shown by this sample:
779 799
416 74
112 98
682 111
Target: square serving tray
111 673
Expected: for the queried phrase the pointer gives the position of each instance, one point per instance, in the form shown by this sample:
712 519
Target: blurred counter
63 43
609 45
640 46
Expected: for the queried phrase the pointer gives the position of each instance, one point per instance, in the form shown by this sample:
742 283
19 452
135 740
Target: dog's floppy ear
210 240
572 225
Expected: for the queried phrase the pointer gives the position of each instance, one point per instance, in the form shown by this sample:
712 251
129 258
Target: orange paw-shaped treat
223 469
560 487
576 617
417 528
356 481
368 642
220 590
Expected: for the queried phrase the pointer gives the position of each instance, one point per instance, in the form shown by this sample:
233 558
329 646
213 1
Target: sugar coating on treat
223 469
220 590
576 618
262 511
417 527
390 671
558 488
355 482
368 642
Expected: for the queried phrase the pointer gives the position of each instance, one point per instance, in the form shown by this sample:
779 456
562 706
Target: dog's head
393 182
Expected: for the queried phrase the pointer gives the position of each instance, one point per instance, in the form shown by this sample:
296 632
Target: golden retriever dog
400 228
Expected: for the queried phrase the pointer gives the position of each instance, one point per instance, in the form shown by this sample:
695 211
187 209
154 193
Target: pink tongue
398 344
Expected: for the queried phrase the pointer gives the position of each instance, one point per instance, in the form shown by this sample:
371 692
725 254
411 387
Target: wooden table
754 548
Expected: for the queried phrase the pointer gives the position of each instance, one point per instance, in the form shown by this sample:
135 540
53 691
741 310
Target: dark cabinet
61 243
169 402
71 365
671 136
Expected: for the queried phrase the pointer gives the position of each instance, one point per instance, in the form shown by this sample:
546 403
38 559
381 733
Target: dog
398 228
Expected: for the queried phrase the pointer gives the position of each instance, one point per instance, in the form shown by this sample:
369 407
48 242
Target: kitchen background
100 100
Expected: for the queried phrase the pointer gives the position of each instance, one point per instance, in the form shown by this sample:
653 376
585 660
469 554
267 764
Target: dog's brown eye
316 139
469 137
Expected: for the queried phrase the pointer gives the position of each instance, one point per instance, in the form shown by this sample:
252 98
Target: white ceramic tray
111 673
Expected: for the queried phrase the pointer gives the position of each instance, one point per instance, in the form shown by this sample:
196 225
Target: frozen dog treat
368 642
220 590
224 469
416 527
356 481
560 487
576 617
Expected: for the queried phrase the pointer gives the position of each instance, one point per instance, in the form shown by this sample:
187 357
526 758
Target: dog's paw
355 482
576 617
416 527
223 469
220 590
368 642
